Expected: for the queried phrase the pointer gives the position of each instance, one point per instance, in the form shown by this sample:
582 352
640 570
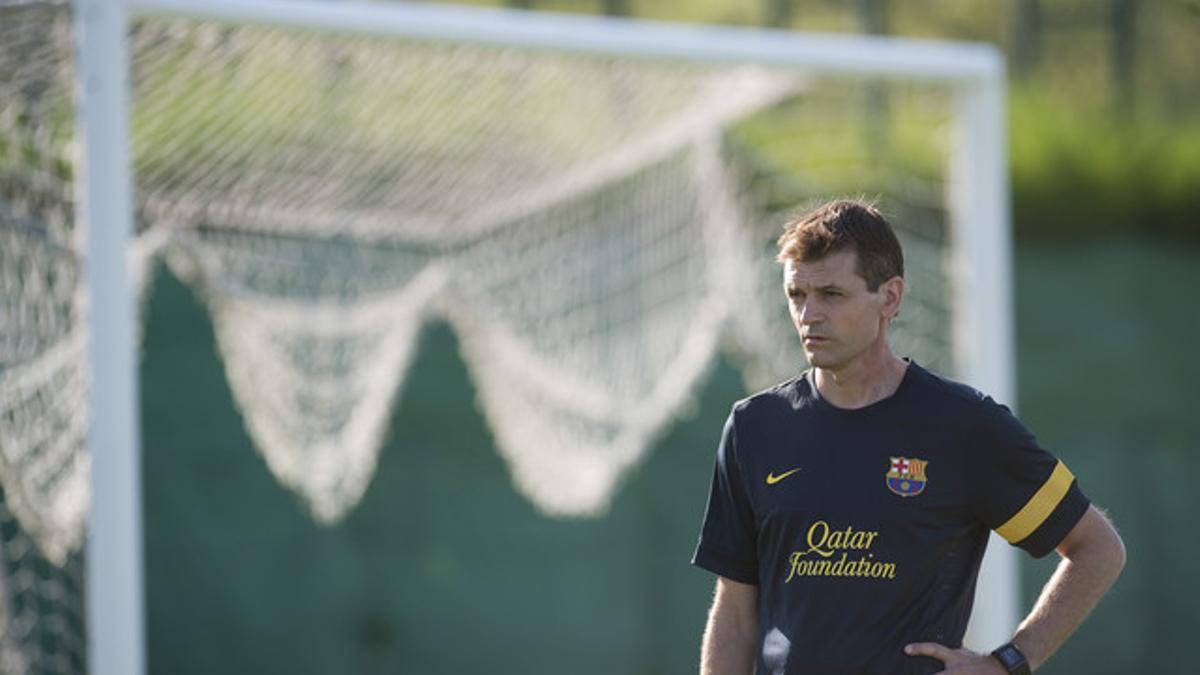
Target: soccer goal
589 203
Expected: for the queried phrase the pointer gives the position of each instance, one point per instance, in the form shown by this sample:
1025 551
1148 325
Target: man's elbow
1111 558
1096 543
1118 552
1114 547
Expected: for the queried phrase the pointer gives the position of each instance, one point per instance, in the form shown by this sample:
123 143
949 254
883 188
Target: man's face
835 315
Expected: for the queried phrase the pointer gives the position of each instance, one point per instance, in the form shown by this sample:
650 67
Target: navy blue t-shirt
864 529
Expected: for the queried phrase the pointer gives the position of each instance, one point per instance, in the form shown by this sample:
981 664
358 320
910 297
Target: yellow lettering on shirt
826 542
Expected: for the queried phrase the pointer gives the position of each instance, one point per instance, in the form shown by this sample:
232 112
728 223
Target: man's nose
809 313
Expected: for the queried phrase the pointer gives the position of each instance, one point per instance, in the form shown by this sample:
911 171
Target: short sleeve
1029 497
728 540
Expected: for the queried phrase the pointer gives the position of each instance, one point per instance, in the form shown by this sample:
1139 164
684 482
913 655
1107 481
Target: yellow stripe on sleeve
1039 507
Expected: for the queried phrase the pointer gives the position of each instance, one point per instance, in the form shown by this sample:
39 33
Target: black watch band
1012 659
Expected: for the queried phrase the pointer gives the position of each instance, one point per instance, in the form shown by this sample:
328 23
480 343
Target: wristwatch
1012 659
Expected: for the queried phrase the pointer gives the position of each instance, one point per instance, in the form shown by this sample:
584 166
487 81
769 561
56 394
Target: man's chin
819 359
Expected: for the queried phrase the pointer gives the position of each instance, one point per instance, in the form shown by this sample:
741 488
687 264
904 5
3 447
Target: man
850 506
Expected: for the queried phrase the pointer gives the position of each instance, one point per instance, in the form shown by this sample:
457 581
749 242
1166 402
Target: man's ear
892 292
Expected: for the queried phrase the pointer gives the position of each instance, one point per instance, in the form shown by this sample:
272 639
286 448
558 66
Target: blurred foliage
1077 169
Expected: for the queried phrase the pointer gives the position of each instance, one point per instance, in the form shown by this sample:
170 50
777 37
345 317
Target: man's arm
728 645
1092 558
1093 555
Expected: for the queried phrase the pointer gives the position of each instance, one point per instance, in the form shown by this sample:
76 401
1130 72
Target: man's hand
957 661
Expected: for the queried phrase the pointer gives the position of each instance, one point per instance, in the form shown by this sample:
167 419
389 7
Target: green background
444 568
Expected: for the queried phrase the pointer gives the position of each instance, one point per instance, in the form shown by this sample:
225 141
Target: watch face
1012 659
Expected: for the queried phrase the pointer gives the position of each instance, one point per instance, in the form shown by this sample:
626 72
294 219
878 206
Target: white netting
43 383
41 606
569 215
580 220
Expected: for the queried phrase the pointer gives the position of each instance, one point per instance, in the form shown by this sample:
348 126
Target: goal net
596 224
43 381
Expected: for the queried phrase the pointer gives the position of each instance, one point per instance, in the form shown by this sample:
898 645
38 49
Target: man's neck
864 381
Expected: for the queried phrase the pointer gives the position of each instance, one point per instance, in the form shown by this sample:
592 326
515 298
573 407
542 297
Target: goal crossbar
817 52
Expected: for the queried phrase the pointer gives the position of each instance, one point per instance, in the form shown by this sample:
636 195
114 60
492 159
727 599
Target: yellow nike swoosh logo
773 479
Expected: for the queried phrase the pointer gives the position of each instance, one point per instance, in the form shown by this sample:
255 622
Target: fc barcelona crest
906 477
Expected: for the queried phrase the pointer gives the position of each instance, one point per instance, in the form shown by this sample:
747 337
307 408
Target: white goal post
977 200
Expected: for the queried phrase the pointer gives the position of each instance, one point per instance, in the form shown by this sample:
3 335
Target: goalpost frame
113 579
978 200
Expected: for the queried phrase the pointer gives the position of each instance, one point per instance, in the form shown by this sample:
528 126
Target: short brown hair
845 224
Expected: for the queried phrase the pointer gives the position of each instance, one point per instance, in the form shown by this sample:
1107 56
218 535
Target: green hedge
1079 168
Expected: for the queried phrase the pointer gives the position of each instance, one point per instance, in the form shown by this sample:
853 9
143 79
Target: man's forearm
1082 578
728 644
728 647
